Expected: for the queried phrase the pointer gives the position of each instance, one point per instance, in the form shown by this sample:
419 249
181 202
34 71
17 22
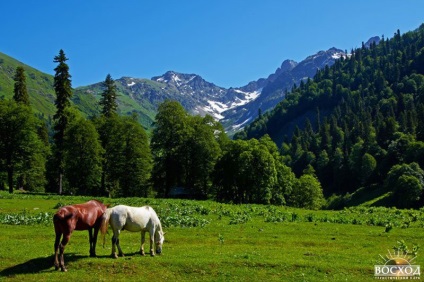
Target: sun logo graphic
397 266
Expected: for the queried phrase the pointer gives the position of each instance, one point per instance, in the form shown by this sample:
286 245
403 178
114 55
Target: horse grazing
134 220
87 216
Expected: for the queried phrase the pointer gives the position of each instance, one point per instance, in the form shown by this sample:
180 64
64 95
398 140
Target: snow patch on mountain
248 97
216 108
236 127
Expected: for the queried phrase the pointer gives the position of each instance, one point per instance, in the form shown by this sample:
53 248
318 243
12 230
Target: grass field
208 241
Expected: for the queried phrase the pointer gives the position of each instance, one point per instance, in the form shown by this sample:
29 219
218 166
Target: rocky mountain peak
288 65
374 39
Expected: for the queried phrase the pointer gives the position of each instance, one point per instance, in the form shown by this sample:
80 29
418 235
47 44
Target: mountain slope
40 89
358 124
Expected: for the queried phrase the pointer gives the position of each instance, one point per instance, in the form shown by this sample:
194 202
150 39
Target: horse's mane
157 220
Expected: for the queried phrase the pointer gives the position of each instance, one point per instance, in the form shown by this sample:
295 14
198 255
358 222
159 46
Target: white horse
134 219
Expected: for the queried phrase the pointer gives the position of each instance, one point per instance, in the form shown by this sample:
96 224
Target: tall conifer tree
63 89
20 88
108 100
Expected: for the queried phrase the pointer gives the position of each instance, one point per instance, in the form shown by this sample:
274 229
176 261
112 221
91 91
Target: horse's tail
105 224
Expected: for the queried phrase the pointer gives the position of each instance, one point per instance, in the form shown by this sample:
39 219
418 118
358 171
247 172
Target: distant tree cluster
112 155
105 155
194 153
358 122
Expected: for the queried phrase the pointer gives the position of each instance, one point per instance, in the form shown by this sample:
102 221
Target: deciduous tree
21 151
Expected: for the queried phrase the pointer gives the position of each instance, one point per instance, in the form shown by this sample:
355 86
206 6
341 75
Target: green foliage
252 172
408 182
137 160
402 248
25 218
22 154
126 160
184 149
82 158
307 193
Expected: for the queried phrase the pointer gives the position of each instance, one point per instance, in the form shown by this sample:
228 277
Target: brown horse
87 216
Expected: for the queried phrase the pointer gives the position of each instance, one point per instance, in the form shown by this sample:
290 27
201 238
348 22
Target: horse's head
159 239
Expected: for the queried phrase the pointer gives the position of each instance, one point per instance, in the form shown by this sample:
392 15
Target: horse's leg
143 239
114 247
90 239
96 232
65 240
118 245
152 236
56 250
115 243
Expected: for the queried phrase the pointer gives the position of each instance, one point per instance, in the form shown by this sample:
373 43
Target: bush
407 182
307 193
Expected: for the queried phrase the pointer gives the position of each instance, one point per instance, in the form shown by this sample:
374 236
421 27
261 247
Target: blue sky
227 42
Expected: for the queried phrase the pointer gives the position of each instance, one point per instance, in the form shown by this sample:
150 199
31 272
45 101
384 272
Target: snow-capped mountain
234 107
205 97
273 88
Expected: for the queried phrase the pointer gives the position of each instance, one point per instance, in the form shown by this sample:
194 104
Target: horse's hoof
114 256
152 254
63 269
56 267
92 255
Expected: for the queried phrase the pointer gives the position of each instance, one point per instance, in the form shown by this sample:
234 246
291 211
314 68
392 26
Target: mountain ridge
234 107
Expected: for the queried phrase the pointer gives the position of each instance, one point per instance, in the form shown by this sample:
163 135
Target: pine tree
63 89
20 88
108 100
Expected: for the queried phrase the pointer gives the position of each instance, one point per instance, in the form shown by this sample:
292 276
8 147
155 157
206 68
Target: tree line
357 127
112 155
359 123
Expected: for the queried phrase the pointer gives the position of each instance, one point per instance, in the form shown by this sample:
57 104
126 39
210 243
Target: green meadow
209 241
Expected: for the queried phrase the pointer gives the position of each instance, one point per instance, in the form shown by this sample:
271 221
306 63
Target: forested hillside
40 89
358 124
39 85
353 135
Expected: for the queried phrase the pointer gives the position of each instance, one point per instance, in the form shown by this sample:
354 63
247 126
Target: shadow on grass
46 264
126 255
37 265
